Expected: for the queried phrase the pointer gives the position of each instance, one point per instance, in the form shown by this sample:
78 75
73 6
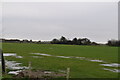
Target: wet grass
0 64
79 68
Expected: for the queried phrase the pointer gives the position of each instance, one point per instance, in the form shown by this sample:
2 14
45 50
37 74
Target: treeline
19 41
74 41
63 40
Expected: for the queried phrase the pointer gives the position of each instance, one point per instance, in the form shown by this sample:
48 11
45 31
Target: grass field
79 68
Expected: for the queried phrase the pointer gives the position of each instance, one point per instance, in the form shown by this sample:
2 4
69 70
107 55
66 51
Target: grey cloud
45 21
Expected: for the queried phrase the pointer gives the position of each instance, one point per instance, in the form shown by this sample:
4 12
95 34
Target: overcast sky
97 21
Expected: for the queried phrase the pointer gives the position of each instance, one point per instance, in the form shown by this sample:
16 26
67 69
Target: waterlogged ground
83 61
13 65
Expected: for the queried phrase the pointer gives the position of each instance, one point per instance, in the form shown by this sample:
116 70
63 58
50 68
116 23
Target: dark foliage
113 43
75 41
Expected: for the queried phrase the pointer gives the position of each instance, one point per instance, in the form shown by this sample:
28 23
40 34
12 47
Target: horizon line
50 40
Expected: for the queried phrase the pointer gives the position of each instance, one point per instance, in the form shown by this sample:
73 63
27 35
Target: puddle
63 57
15 72
63 71
97 60
19 57
36 57
80 57
103 63
13 65
42 54
111 65
18 68
48 55
112 70
47 72
11 54
56 56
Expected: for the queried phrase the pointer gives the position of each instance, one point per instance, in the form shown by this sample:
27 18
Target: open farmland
83 61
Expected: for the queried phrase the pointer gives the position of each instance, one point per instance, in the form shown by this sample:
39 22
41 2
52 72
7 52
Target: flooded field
83 63
13 65
88 59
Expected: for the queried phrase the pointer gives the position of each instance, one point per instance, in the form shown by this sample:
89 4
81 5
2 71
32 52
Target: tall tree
55 41
75 41
63 40
85 41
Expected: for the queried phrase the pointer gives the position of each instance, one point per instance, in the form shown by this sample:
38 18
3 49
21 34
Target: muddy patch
40 74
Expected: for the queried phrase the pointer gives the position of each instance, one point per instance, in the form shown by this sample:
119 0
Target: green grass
0 45
0 64
79 68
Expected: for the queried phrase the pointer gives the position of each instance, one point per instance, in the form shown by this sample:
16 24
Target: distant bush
113 43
